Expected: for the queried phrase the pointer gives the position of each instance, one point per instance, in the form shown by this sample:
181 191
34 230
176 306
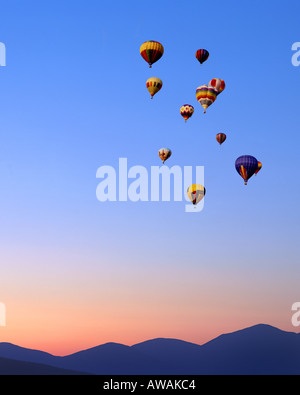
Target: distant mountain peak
163 340
260 329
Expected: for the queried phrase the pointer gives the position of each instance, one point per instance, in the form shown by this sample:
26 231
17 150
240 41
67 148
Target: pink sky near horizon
61 334
61 311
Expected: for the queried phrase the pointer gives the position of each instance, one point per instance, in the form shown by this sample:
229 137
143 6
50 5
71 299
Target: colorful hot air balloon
151 51
202 55
246 166
164 154
154 85
186 111
196 193
218 84
206 96
258 167
221 137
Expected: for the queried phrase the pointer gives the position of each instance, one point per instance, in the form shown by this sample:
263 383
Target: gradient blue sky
73 98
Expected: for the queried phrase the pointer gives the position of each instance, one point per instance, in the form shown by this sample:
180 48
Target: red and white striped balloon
217 84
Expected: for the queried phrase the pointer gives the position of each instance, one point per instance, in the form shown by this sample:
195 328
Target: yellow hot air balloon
151 51
154 85
196 193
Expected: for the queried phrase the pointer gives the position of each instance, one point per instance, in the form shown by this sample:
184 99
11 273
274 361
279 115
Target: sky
76 272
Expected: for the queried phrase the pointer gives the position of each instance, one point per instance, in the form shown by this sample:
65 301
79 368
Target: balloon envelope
154 85
202 55
221 137
164 154
246 166
218 84
206 96
186 111
196 193
151 51
259 167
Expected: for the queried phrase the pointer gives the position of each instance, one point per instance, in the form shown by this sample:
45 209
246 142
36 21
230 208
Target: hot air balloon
151 51
196 193
164 154
186 111
258 167
221 137
206 95
154 85
246 166
202 55
218 84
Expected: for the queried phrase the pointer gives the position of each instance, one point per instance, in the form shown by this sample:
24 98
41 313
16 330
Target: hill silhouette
260 349
13 367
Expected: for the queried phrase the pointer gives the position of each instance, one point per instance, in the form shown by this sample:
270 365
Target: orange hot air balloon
221 137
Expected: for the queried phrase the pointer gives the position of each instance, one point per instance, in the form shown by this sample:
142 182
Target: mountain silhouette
260 350
13 367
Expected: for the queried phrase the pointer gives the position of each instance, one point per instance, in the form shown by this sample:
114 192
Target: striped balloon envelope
206 96
246 166
218 84
151 51
221 137
154 85
202 55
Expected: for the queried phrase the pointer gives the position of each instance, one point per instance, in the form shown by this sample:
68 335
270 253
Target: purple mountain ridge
260 350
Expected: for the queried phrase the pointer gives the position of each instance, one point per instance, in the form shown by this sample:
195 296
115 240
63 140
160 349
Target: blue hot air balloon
246 166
